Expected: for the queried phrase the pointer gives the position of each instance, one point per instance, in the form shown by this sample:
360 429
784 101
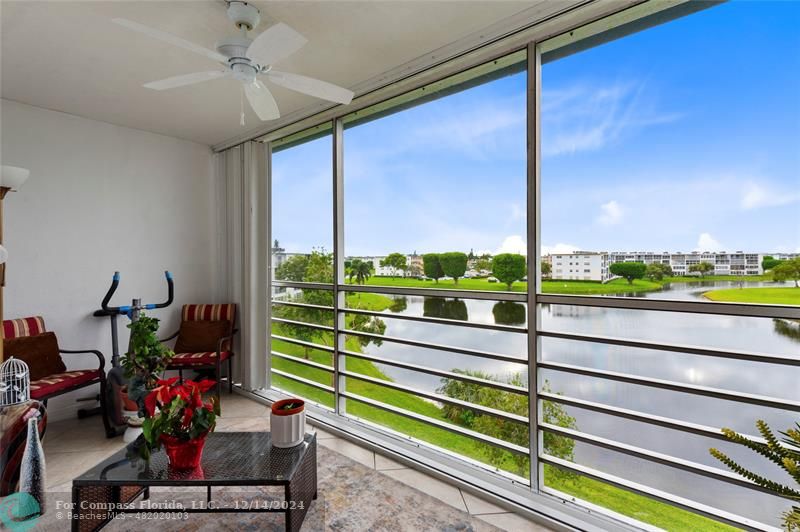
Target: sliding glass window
302 265
670 173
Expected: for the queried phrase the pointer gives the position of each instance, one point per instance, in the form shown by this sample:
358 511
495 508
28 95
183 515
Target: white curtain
243 238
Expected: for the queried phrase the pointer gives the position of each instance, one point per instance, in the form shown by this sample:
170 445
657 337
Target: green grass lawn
617 286
774 296
599 493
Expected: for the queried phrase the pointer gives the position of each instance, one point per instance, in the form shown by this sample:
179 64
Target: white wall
102 198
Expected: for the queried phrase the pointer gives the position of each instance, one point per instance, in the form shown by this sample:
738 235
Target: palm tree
361 270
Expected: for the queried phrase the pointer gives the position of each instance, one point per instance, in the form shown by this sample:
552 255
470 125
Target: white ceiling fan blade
311 86
261 101
171 39
186 79
275 43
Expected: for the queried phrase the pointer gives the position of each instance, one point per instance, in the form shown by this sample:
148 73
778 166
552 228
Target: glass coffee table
230 459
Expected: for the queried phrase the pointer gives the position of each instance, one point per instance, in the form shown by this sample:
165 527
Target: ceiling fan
246 60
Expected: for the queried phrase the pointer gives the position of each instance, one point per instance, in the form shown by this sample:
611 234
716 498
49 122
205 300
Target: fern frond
772 442
773 486
791 520
761 448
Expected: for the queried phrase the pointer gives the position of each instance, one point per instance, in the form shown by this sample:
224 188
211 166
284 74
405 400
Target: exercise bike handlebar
127 308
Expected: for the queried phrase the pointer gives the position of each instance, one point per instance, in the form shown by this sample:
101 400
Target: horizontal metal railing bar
303 361
518 449
303 324
691 307
440 347
661 421
739 397
437 292
301 305
676 348
437 397
438 372
302 343
653 493
656 457
303 285
440 321
303 380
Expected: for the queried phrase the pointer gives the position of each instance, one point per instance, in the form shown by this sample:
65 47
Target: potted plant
288 422
179 419
146 361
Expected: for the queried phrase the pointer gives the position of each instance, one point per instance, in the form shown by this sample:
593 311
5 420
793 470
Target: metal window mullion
302 361
457 429
439 321
339 302
302 285
717 393
649 492
439 373
437 292
506 416
439 347
533 90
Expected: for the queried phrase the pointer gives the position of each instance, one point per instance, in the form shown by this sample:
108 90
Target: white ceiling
69 57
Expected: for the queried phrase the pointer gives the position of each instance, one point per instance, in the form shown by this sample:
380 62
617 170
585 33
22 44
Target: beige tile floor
73 446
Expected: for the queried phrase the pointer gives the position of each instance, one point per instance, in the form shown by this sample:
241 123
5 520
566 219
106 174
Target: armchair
205 340
28 340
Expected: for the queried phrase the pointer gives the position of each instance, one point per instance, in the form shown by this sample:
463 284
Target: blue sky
682 137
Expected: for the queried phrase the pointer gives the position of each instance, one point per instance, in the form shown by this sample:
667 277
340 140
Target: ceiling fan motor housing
235 49
243 15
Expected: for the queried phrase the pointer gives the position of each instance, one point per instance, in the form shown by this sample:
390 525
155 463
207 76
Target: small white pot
288 427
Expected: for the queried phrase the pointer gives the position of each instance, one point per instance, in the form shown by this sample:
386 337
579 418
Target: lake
762 335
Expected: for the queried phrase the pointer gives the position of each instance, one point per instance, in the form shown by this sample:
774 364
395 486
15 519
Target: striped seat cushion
19 327
223 311
205 358
54 384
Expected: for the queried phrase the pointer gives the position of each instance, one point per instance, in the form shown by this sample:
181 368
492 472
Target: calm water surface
725 332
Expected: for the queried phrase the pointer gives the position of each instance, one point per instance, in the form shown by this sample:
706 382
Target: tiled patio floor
73 446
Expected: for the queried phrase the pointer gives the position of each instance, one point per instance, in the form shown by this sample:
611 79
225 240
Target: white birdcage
15 382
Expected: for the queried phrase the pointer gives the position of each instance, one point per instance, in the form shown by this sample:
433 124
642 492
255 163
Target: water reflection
509 313
451 309
787 328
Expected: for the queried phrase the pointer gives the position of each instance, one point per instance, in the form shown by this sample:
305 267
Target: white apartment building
595 266
736 263
580 266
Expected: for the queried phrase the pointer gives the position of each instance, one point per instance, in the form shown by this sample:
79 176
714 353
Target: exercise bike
116 376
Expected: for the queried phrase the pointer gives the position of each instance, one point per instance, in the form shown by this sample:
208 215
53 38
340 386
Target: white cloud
513 244
559 248
587 117
756 195
612 213
707 243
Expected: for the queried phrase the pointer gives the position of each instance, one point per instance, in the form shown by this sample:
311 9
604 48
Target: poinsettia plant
177 411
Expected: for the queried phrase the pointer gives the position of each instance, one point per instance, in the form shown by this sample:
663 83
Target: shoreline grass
764 295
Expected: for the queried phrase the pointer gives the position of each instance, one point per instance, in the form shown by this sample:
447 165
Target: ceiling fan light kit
245 59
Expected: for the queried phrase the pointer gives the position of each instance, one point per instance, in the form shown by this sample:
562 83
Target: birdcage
15 382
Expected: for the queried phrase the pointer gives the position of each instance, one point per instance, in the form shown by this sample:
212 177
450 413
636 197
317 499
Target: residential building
580 266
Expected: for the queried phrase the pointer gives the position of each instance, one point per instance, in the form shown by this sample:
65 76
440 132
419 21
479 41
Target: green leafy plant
785 453
147 359
177 410
508 268
628 270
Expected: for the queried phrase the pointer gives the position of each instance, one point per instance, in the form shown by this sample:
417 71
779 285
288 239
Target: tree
768 262
454 264
432 266
788 270
509 267
785 453
702 268
510 431
508 313
292 269
629 270
361 270
547 269
395 261
656 271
